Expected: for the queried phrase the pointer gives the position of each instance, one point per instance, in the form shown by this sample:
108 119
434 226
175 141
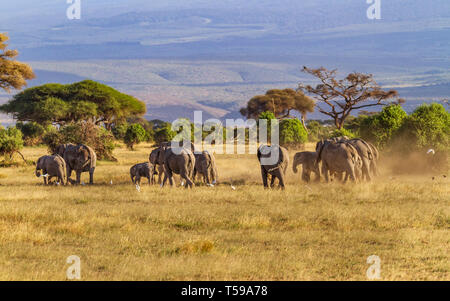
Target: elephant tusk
44 176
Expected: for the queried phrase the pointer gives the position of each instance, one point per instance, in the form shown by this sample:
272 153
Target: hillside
178 56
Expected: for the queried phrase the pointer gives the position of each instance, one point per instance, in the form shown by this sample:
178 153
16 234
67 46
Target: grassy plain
308 232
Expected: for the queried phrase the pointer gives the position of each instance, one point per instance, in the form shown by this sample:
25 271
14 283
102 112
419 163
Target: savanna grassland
308 232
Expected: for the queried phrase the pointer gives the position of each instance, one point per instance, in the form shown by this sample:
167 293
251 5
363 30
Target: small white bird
57 183
210 185
110 182
138 188
431 151
232 187
182 183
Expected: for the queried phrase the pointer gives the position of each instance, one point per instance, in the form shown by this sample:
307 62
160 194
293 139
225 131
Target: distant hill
182 55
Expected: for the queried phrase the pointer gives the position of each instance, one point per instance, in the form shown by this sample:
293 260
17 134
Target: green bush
427 127
164 134
10 141
343 132
32 132
119 130
135 134
381 128
292 132
316 131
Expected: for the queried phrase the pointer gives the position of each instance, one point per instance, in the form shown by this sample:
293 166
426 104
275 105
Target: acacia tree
83 101
337 98
13 74
280 103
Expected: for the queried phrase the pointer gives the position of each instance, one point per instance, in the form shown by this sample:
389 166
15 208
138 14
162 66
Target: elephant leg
272 181
207 179
91 175
45 180
305 175
317 173
170 177
280 176
138 180
189 183
69 172
160 173
325 172
264 176
78 177
149 180
366 169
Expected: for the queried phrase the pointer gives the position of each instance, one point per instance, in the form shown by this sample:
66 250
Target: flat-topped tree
83 101
13 74
281 103
337 98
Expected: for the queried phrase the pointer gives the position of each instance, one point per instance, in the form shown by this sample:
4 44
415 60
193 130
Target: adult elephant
158 161
177 160
205 165
308 160
51 166
274 161
366 154
338 158
80 158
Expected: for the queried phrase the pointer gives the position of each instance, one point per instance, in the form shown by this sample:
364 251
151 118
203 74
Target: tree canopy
280 102
13 74
83 101
337 98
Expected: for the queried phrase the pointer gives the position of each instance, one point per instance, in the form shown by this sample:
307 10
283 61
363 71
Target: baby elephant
205 165
52 166
308 160
145 170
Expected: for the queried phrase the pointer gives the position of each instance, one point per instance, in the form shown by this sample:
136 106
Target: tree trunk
304 123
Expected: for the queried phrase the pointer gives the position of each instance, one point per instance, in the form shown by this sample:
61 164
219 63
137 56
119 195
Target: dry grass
314 232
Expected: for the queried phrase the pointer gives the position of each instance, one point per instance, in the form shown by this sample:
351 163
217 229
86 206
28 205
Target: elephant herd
339 158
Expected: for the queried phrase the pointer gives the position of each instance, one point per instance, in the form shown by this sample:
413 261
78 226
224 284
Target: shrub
164 134
10 141
427 127
32 132
342 132
317 131
292 132
135 134
119 130
382 127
